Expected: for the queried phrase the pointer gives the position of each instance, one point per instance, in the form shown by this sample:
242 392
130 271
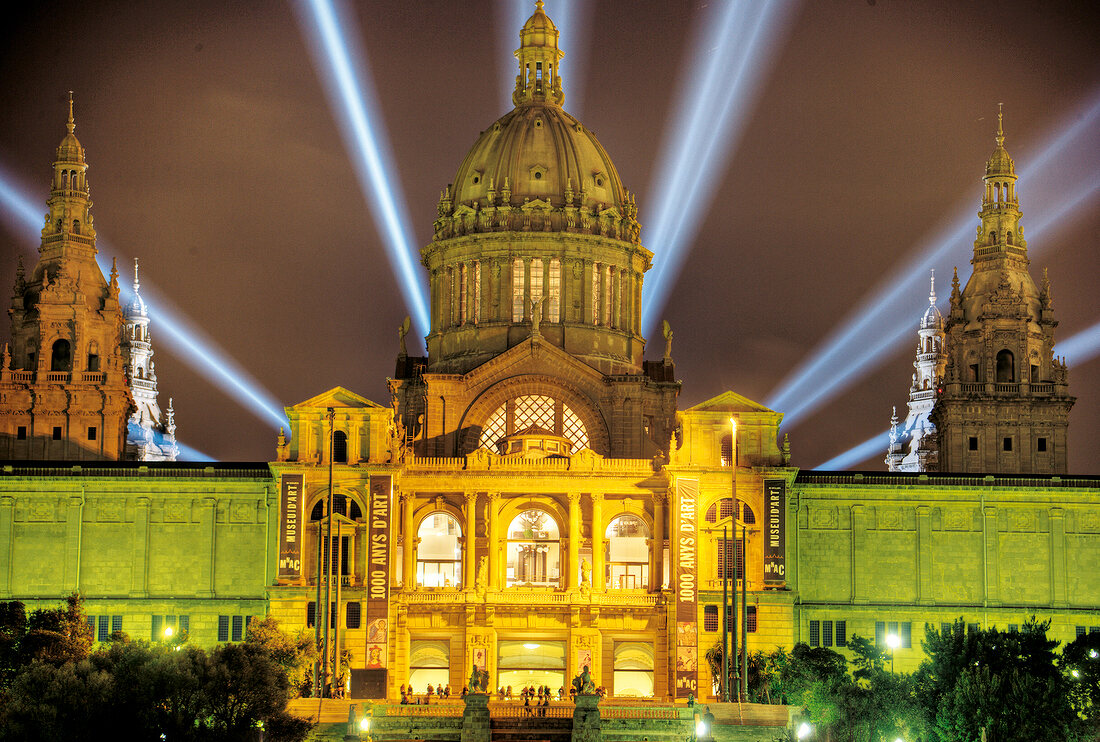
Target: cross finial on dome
1000 125
932 291
538 6
72 123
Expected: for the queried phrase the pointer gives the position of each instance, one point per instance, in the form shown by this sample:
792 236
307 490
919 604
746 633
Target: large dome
538 152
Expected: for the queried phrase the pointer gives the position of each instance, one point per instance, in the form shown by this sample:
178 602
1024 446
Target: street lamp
804 730
893 642
168 631
364 728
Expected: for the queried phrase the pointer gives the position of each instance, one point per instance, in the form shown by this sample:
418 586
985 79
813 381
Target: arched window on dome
627 557
534 410
1006 367
438 551
517 290
596 293
534 550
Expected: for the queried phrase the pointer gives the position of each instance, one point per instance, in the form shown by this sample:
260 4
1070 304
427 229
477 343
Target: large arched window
534 410
343 536
627 539
1006 367
61 356
534 552
438 553
729 549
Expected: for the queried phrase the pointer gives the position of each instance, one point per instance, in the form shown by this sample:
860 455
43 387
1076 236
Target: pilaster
599 577
1058 593
139 555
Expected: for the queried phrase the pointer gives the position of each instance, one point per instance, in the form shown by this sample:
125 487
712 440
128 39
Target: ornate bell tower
63 387
1005 403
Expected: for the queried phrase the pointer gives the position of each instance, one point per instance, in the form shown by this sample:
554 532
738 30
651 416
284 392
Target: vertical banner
378 577
290 527
775 545
687 587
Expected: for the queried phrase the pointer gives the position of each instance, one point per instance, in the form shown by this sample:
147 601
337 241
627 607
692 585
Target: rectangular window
21 433
223 628
972 628
477 291
155 634
355 614
750 619
595 293
91 624
906 634
311 614
945 628
91 433
815 633
1008 444
1081 631
880 634
116 624
517 290
57 433
1013 628
710 618
536 286
104 632
553 313
607 296
1094 629
1041 445
841 633
973 443
826 633
461 294
731 559
238 628
185 623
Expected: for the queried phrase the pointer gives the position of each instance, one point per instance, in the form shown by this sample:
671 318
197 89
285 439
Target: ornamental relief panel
823 517
956 520
110 510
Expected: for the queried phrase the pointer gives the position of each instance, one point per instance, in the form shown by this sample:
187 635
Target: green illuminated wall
931 548
139 541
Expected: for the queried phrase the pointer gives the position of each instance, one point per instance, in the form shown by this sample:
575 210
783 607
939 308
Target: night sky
215 158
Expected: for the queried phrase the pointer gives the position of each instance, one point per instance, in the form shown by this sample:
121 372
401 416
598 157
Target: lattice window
495 428
534 410
553 313
607 296
573 429
531 410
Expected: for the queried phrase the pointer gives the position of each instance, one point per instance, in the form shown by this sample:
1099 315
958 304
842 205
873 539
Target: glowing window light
345 77
741 38
571 18
886 319
171 329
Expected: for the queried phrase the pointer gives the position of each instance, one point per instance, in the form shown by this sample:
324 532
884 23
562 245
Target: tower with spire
150 436
913 447
63 385
1005 402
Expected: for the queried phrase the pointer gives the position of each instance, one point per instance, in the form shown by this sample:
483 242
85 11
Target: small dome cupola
538 55
1000 171
932 319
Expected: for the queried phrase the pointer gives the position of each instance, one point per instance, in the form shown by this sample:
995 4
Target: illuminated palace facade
531 500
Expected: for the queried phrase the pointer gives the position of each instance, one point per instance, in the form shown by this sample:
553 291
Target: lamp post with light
893 642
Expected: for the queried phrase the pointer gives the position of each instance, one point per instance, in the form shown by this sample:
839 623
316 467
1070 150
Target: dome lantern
538 55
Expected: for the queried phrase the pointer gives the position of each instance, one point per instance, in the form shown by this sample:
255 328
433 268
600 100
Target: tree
1005 682
1080 665
294 654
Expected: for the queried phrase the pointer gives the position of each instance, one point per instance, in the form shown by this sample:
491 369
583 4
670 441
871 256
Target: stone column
7 521
657 566
494 542
139 558
924 555
408 557
599 578
1058 557
573 564
469 562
